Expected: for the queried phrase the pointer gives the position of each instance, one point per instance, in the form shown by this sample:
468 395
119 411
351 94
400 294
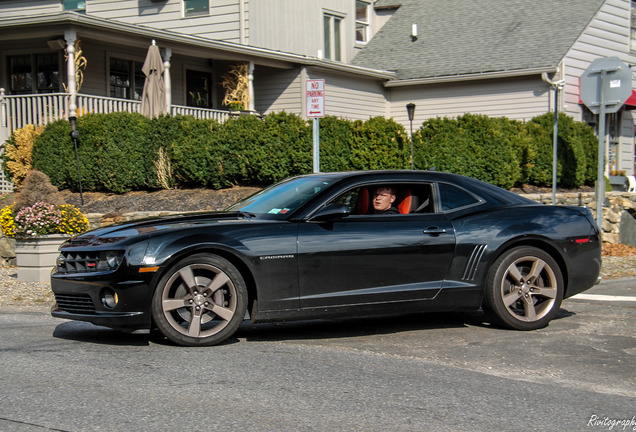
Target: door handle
433 230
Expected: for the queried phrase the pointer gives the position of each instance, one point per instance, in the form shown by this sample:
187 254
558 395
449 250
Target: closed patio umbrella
153 99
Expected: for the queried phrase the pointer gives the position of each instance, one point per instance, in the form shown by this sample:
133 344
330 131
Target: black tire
200 301
524 289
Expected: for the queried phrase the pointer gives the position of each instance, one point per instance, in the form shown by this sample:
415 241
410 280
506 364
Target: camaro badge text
272 257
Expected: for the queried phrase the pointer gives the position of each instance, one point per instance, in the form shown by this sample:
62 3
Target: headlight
89 261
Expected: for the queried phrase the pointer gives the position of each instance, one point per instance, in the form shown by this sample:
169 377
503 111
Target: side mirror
330 212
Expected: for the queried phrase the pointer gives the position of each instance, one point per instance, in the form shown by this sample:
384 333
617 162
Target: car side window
410 198
348 198
452 197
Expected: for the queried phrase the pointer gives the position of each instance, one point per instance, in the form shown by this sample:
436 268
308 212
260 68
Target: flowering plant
41 219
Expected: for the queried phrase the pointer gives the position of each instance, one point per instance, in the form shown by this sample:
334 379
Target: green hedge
472 145
120 152
577 153
506 152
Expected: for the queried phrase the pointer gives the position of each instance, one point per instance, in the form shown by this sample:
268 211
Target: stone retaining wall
619 218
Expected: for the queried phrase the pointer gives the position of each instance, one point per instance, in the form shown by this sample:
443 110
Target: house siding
607 35
276 90
285 91
20 8
222 23
298 25
354 99
515 98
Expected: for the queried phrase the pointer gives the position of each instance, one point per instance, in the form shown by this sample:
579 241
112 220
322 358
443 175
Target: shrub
287 147
238 142
336 135
36 187
54 155
379 143
114 153
472 145
164 132
193 155
18 153
576 150
121 151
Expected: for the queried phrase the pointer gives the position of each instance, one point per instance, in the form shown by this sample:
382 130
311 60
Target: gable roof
459 37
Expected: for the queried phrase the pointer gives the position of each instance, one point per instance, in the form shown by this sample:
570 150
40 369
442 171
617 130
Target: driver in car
383 199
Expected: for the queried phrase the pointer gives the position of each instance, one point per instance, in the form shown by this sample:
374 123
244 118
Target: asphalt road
440 372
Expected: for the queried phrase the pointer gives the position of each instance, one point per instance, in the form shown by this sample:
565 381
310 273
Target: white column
70 37
167 53
250 86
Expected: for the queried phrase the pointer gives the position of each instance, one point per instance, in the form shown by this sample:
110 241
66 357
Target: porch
17 111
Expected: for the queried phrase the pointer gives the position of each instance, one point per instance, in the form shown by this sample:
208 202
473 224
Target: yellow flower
7 221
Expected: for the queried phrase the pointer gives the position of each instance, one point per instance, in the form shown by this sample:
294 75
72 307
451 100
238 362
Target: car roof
485 190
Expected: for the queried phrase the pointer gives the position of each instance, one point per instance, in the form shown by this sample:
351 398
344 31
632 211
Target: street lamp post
75 137
410 110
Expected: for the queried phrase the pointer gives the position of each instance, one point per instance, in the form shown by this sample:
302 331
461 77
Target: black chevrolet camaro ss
314 246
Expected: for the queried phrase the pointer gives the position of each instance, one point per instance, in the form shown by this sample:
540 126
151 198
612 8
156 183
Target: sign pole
600 178
315 108
555 143
605 86
316 145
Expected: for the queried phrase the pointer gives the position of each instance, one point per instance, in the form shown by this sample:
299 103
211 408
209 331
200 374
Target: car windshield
277 201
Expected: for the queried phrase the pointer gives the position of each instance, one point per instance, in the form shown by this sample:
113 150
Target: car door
363 259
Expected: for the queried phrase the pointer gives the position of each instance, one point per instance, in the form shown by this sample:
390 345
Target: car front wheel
524 289
201 301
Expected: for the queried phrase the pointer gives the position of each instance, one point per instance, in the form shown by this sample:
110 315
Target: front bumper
81 298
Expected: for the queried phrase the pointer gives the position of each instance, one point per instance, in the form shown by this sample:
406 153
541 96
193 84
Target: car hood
129 232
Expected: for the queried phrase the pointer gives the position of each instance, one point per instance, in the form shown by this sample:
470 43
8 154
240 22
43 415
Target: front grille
74 303
88 262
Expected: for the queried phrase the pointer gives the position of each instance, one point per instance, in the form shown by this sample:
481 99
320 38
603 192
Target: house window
37 73
633 27
198 89
126 79
362 22
196 7
74 5
332 37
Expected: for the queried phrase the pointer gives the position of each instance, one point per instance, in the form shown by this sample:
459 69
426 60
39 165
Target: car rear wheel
200 301
524 289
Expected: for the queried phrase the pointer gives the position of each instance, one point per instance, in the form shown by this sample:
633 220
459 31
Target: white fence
17 111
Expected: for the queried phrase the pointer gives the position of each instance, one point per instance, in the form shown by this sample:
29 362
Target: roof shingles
457 37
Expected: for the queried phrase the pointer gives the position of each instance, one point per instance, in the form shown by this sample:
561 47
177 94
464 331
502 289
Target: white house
492 57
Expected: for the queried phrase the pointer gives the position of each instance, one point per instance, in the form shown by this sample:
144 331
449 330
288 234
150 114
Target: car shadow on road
86 332
357 327
297 330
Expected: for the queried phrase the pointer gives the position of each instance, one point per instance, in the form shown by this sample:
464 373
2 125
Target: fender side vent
473 262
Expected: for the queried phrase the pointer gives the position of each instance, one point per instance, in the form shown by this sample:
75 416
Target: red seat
362 205
407 202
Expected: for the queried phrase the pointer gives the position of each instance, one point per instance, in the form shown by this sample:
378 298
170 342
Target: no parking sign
315 94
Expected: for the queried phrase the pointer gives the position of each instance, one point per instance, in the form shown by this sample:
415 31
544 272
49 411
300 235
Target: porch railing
17 111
